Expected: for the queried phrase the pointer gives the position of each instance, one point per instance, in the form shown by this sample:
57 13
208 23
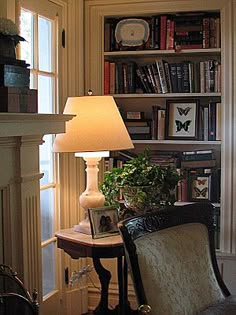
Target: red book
112 74
170 34
163 32
106 77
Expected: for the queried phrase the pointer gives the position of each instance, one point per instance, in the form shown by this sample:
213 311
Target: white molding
31 124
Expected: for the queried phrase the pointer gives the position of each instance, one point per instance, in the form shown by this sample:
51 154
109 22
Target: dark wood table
79 245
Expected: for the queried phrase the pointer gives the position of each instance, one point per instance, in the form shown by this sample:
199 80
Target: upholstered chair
173 265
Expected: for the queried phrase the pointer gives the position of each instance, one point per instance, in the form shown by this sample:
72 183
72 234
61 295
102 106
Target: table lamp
96 129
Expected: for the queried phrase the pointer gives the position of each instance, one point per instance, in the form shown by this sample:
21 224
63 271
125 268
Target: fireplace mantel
19 124
20 137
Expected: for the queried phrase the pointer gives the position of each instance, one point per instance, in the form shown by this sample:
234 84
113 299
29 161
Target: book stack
165 158
139 129
189 31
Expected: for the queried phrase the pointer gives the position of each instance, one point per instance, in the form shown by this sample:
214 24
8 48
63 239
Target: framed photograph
181 119
103 221
200 188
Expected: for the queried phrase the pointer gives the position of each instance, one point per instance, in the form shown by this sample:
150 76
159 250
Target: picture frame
200 187
181 119
103 221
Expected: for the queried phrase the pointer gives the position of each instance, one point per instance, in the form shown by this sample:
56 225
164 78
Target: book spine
152 32
202 77
173 77
106 77
143 80
112 77
156 78
131 77
206 33
163 19
125 78
167 74
212 121
157 32
151 78
179 71
218 121
206 124
212 33
161 116
191 77
186 81
161 72
154 121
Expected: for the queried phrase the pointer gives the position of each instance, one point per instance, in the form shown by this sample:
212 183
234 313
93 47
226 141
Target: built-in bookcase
209 69
164 81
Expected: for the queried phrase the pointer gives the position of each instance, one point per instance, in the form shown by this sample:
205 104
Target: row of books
172 31
208 124
162 77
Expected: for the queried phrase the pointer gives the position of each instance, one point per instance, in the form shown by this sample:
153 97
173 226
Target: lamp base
83 227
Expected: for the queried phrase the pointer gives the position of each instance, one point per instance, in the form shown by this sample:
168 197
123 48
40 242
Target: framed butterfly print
181 119
200 188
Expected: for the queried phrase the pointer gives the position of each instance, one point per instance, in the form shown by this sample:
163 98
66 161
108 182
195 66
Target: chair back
14 297
172 259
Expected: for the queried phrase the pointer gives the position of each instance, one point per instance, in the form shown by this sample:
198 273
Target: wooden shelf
142 53
167 95
178 142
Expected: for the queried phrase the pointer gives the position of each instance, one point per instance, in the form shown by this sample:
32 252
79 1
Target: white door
40 26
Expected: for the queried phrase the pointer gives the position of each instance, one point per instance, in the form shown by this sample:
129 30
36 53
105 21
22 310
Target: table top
82 245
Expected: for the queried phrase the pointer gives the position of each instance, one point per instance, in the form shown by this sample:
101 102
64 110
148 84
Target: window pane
48 261
27 31
46 160
45 44
45 94
47 213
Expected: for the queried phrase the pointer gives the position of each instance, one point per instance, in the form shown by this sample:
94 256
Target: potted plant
144 186
9 38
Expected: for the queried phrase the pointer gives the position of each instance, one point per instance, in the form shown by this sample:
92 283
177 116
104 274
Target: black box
14 76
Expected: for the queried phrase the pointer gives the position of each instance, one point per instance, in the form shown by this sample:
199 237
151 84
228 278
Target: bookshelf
96 15
154 77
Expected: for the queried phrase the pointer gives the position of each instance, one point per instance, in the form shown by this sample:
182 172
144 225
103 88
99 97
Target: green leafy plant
150 185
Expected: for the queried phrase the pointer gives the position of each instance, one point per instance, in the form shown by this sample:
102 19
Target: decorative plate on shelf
132 32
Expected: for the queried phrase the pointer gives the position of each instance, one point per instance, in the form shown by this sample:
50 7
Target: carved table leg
104 277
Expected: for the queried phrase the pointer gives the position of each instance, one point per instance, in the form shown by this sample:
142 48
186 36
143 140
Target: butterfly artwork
201 181
183 111
182 125
201 193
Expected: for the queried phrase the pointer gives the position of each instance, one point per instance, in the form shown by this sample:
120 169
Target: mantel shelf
25 124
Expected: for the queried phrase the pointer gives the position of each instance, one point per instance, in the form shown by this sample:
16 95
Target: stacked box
15 94
14 76
18 100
